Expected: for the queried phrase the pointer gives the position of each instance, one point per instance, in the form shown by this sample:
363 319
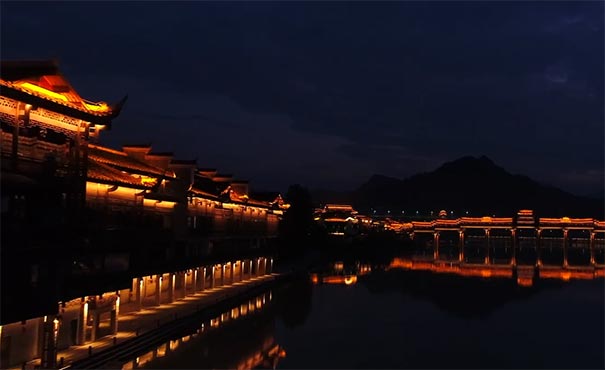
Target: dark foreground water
390 317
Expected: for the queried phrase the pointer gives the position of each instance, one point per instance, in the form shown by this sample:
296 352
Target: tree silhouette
297 223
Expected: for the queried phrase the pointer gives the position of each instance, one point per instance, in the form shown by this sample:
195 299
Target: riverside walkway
133 323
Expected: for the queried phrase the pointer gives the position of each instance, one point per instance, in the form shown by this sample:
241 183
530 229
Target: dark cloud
393 87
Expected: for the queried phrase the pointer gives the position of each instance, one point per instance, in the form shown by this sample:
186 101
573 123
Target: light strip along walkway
132 322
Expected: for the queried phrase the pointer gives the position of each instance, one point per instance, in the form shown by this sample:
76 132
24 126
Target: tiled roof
122 160
203 193
42 80
109 175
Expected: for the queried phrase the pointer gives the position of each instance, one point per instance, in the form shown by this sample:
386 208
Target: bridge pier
538 247
487 254
436 245
565 242
461 246
592 248
513 259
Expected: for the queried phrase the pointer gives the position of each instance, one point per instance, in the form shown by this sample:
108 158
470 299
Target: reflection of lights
338 279
161 350
525 281
350 280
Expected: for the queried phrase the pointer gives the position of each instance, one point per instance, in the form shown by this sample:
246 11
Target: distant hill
322 197
476 185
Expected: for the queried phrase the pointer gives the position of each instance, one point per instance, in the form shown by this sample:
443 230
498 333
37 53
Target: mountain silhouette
476 185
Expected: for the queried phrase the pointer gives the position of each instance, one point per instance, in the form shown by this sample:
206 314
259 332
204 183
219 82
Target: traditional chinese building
46 127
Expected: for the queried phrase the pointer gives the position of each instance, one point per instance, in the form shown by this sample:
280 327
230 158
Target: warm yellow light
97 107
43 91
146 180
350 280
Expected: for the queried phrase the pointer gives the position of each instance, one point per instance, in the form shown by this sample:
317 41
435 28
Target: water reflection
404 310
241 337
417 312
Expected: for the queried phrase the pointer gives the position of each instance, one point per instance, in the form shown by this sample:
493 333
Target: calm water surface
398 318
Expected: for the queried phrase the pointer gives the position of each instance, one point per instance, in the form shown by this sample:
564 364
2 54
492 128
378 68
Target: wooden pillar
203 278
240 263
213 280
250 271
270 269
95 325
114 321
592 248
257 266
232 266
139 284
436 245
223 274
171 281
461 246
184 274
49 342
195 279
15 143
565 242
82 319
158 290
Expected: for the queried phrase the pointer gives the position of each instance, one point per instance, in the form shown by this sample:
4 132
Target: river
366 314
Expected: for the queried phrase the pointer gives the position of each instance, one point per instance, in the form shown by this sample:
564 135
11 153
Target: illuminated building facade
72 210
338 219
46 127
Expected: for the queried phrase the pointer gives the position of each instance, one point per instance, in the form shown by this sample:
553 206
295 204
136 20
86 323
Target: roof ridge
107 149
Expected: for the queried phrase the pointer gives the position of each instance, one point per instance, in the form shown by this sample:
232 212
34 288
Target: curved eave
130 170
247 204
36 101
203 194
117 183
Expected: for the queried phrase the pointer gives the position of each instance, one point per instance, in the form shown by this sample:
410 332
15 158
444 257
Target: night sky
327 94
